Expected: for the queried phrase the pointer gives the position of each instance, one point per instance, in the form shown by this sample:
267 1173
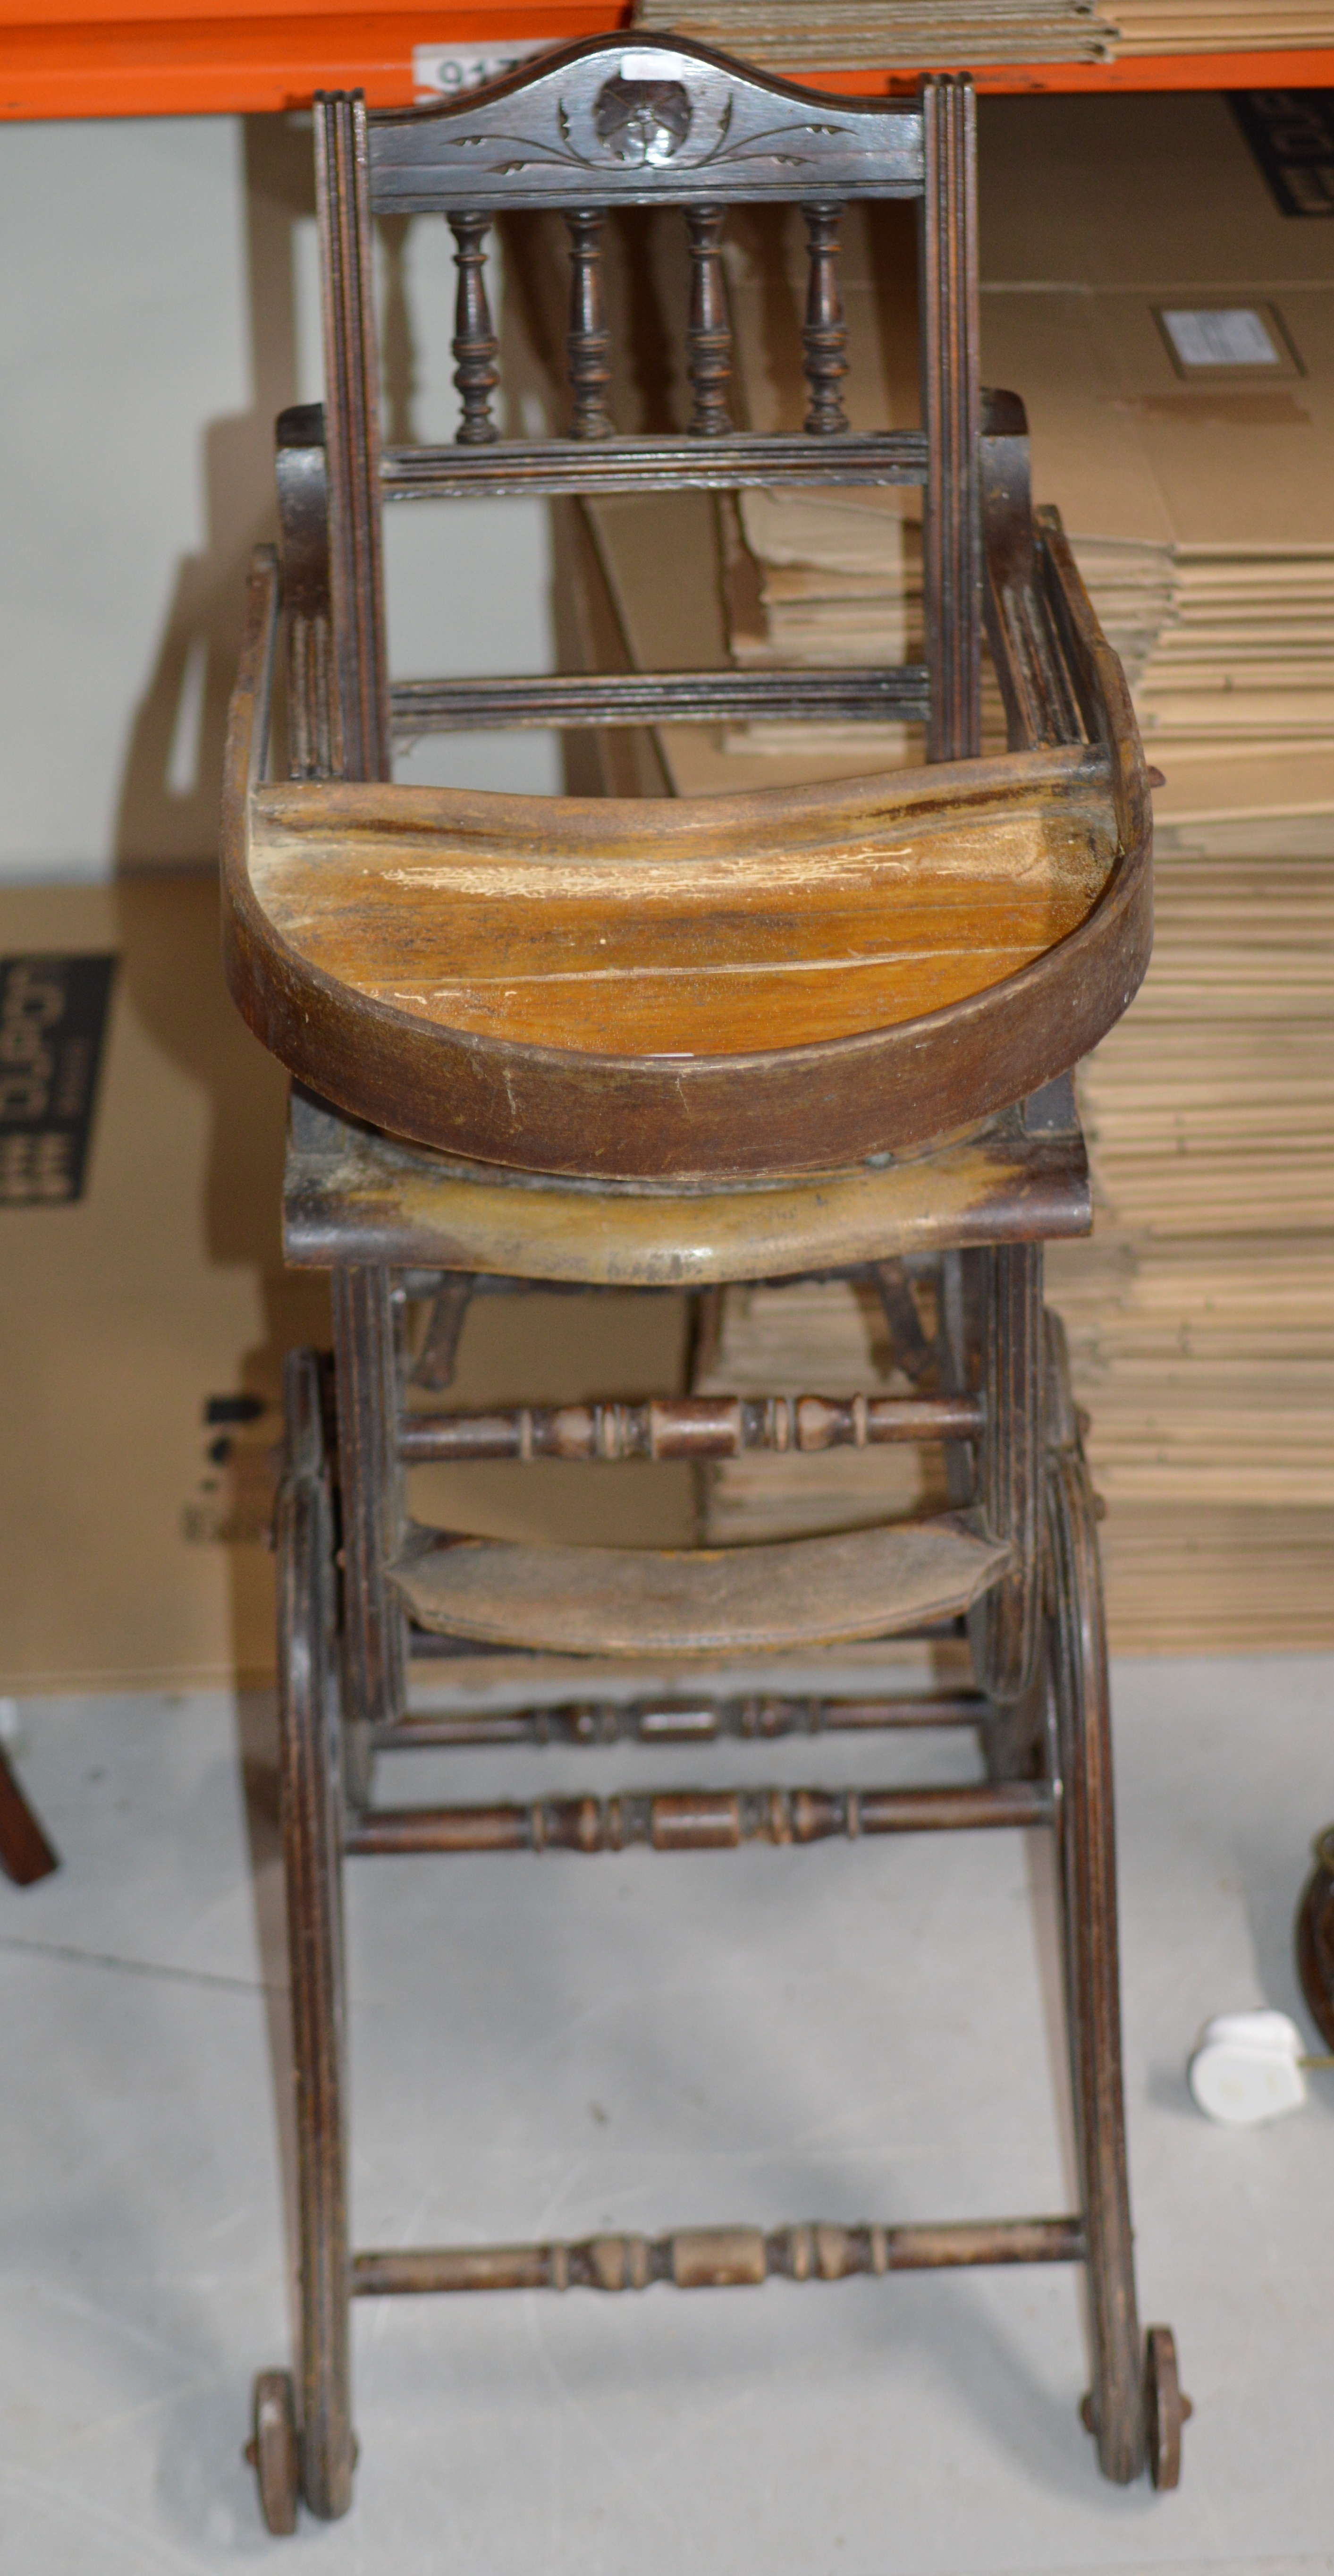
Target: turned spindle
708 336
824 337
588 341
474 344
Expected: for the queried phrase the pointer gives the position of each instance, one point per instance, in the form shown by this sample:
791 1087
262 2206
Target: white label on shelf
449 71
1233 337
649 63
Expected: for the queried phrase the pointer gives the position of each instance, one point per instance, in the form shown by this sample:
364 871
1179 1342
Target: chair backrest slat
824 333
475 347
618 122
558 465
588 341
613 123
708 332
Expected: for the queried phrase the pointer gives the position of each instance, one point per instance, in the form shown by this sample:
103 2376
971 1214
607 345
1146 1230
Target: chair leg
309 1786
1115 2412
370 1486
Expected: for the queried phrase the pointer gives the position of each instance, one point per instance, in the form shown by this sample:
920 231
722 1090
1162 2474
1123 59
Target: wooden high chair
636 1044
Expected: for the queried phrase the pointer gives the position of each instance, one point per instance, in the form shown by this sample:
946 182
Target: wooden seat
718 926
695 1601
354 1193
732 985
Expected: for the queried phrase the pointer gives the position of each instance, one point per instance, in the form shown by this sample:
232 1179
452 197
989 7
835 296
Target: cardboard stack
849 35
1196 490
1197 478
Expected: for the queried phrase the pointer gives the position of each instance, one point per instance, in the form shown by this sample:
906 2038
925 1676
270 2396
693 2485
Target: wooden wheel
273 2451
1165 2409
1315 1938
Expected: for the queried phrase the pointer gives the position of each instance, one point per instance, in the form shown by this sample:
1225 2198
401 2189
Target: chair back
611 123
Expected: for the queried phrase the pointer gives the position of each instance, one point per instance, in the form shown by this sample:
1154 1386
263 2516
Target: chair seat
713 926
695 1601
745 986
354 1196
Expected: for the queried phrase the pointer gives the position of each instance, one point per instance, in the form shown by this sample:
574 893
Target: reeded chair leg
313 2439
1088 1887
1136 2407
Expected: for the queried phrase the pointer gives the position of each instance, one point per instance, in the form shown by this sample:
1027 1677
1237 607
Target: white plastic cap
1245 2068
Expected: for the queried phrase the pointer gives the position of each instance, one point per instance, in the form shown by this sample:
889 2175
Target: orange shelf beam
274 56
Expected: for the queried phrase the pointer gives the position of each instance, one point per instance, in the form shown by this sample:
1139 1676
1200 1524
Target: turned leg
309 1790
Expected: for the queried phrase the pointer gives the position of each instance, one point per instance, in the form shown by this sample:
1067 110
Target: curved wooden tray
733 986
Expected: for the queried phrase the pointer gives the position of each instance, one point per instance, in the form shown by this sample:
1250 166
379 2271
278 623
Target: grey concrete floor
549 2047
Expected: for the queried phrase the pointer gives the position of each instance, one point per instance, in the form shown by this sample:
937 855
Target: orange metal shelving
87 59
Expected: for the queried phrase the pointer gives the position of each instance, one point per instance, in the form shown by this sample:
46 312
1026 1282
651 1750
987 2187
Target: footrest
717 2258
684 1601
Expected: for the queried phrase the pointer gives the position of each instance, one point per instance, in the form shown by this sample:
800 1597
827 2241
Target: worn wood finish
475 346
717 2258
274 2451
694 1601
588 342
1166 2410
314 741
824 332
434 1364
370 1512
708 332
630 122
1035 683
1037 690
952 413
698 1819
352 428
1088 1893
547 466
355 1196
308 1791
652 1045
694 1721
600 931
913 1354
701 1426
1099 684
816 1101
899 693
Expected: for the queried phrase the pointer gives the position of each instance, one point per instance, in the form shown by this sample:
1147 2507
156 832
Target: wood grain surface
353 1194
691 929
694 1601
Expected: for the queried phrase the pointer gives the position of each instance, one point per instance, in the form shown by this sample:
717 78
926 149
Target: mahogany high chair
825 1030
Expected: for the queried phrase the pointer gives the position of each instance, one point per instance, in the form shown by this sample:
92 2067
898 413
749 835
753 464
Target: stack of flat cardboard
849 35
1171 330
1201 499
1196 490
1218 26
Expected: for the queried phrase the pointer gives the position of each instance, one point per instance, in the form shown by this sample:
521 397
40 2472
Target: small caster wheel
1165 2409
273 2451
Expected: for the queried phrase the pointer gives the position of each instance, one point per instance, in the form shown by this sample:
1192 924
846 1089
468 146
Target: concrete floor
544 2047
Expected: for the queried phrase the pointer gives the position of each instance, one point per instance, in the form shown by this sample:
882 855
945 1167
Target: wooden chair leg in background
310 2450
25 1853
